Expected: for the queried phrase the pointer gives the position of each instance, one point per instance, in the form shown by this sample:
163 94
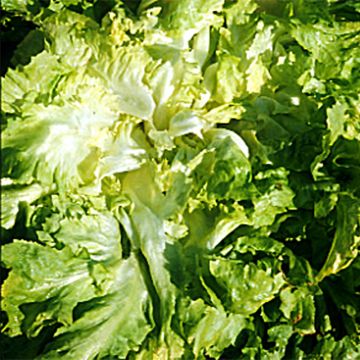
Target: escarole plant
180 179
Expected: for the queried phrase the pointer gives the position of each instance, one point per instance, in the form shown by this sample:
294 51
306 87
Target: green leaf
107 318
45 286
97 233
347 347
175 17
298 306
280 334
336 119
72 37
345 244
224 79
35 80
224 167
145 227
11 198
215 332
122 72
247 286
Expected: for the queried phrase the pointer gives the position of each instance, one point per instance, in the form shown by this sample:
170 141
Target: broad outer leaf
46 284
110 325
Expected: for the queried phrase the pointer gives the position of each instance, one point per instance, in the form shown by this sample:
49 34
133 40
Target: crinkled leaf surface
110 325
49 283
180 179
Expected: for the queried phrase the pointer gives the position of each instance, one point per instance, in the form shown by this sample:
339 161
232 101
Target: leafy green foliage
181 179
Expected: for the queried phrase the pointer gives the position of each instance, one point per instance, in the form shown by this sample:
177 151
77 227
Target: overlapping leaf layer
181 180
